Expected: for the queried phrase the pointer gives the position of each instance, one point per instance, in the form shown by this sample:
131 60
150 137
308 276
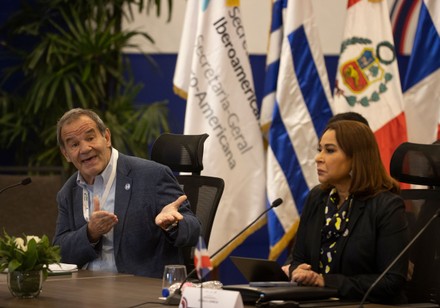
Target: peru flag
367 79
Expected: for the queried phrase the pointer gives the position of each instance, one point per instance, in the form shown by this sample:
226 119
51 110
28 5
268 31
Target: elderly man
118 213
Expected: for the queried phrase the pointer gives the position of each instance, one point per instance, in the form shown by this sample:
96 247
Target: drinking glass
173 276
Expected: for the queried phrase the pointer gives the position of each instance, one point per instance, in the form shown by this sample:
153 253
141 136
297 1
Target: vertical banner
299 115
421 87
214 73
368 79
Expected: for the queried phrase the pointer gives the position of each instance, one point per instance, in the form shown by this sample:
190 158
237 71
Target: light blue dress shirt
106 260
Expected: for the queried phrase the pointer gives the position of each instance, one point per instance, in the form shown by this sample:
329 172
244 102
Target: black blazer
378 233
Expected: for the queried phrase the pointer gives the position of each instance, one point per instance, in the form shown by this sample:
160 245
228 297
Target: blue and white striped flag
299 115
272 63
421 87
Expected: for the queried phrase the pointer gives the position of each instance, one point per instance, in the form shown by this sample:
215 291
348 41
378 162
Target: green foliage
73 57
28 253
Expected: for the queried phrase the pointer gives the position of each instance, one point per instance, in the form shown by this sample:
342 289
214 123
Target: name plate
210 298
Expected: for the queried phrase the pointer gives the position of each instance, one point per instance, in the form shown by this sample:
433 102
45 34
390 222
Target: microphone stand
23 182
436 214
174 299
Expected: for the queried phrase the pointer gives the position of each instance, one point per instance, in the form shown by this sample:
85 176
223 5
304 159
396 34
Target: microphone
174 299
22 182
436 214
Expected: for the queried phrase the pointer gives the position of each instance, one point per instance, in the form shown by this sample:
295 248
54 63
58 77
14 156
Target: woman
353 225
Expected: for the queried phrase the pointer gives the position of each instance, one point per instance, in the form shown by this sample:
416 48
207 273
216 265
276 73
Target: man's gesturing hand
100 222
170 214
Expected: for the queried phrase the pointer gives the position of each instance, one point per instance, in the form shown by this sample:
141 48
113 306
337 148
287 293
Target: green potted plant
73 57
27 261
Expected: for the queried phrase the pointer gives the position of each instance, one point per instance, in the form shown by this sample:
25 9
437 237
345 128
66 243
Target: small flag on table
202 261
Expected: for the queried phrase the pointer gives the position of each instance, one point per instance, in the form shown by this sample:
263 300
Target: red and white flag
367 79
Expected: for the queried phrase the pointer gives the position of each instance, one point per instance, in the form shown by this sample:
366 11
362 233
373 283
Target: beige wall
256 14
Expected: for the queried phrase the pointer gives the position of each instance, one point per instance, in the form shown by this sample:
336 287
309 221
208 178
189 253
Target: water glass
173 274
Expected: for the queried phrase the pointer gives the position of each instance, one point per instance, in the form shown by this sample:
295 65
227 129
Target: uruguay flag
272 63
421 86
202 261
298 116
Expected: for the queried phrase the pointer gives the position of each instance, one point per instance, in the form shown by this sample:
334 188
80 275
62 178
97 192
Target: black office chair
184 153
420 164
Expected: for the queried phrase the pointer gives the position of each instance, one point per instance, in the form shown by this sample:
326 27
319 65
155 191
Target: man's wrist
172 227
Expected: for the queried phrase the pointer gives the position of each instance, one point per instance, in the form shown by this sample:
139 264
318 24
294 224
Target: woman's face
333 166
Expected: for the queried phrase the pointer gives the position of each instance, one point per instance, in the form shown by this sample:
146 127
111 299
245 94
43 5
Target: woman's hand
304 275
285 269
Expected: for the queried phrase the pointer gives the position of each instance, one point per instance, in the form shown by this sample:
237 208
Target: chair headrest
182 153
416 163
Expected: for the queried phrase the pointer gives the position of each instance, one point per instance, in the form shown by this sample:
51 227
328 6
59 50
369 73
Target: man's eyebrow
88 132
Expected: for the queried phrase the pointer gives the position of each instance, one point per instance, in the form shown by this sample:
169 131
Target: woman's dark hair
368 174
350 115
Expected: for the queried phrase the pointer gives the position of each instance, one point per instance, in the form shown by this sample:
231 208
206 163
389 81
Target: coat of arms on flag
202 260
366 76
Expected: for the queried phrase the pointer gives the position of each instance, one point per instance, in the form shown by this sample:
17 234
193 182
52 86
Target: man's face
86 147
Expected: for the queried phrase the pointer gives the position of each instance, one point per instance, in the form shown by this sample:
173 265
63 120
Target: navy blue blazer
378 233
143 188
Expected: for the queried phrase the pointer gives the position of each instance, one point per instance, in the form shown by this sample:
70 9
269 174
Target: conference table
96 289
89 289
